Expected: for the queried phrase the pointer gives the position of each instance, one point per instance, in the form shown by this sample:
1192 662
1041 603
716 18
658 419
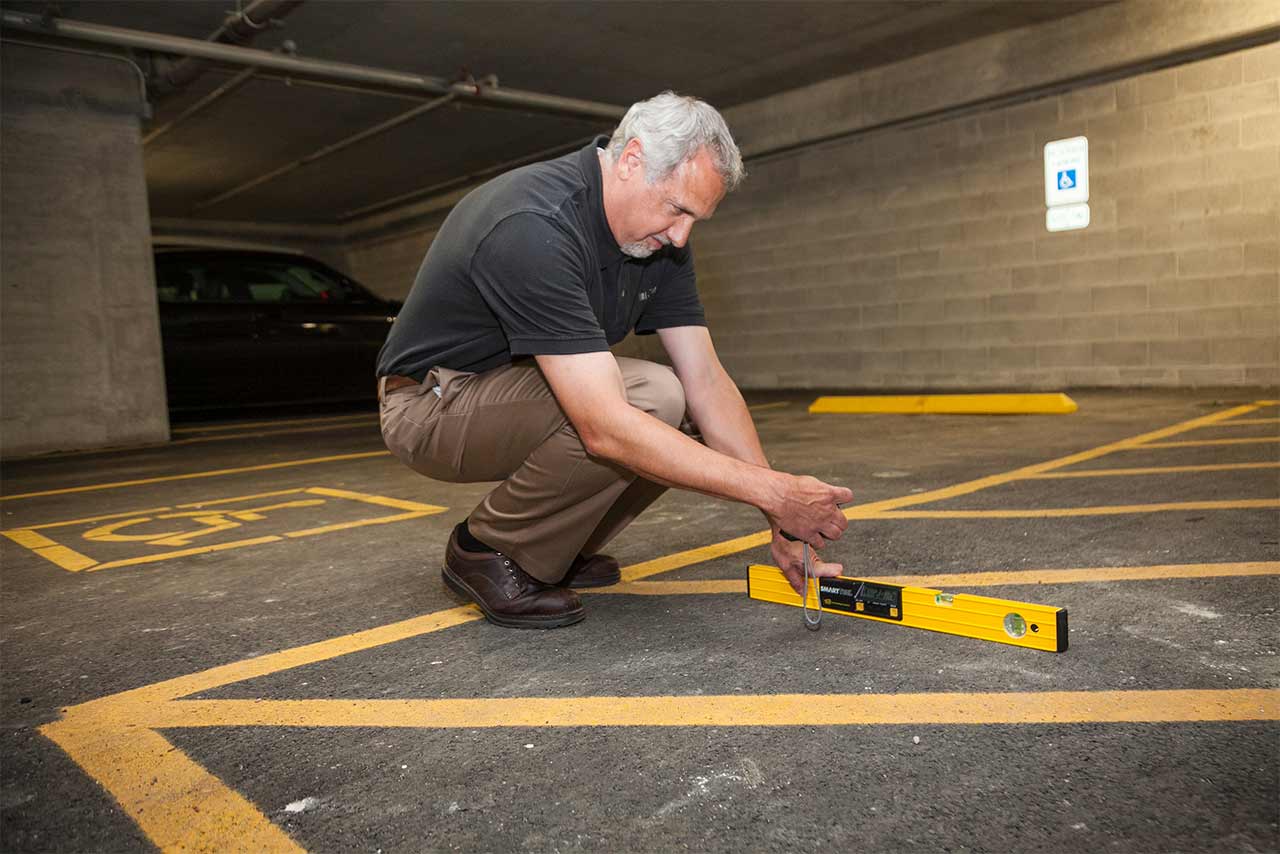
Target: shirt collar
589 162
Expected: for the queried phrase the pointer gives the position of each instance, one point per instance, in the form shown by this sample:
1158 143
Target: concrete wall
909 250
919 258
79 331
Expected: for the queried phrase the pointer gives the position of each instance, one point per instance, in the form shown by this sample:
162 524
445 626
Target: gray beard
636 250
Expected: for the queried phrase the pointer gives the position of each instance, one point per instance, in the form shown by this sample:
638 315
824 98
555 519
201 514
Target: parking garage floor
240 641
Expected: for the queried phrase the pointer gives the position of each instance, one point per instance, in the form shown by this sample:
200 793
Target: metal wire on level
810 623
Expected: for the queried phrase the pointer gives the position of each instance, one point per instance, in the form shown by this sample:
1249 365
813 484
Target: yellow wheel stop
948 404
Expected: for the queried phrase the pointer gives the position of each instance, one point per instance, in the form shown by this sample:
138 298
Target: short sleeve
676 303
531 273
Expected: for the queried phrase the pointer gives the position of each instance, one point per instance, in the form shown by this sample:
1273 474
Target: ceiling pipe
464 180
334 148
232 85
363 76
239 28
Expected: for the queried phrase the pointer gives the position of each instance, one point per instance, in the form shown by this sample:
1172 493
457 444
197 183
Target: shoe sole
460 587
607 582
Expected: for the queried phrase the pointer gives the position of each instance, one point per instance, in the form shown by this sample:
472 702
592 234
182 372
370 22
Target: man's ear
632 160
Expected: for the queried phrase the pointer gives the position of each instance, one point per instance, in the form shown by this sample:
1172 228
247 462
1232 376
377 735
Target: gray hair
671 129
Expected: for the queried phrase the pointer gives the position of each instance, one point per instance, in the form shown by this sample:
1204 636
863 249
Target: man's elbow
598 439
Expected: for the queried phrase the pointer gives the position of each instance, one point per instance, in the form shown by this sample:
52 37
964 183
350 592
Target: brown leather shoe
594 571
505 593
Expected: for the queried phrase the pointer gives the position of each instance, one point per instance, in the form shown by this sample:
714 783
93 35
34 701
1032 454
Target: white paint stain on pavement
302 805
1194 611
747 773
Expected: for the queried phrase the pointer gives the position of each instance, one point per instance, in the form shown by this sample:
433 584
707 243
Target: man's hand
806 508
789 556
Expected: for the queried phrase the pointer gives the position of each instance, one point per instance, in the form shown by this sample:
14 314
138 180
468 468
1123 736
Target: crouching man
498 368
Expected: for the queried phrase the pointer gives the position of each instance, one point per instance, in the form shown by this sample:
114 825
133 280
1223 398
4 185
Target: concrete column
80 346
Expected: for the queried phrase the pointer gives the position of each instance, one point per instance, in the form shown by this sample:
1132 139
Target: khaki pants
555 500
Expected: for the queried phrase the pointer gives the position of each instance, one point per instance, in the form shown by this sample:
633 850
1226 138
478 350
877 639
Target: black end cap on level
1062 630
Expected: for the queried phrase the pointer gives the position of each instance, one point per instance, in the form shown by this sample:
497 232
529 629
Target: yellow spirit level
982 617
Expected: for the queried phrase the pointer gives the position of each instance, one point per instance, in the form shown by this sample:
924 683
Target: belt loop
382 388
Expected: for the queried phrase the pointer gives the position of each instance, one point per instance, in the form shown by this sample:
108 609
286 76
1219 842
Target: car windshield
212 279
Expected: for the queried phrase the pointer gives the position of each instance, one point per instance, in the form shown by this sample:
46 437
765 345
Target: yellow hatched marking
1153 470
364 455
1206 443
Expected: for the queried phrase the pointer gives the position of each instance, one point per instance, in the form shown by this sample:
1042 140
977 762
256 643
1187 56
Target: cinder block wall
79 330
919 259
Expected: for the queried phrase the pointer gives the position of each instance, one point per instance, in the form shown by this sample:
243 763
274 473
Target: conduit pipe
239 28
365 77
334 148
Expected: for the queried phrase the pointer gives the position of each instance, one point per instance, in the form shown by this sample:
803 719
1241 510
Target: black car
249 328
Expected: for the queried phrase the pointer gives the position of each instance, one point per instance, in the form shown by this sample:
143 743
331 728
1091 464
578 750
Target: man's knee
655 389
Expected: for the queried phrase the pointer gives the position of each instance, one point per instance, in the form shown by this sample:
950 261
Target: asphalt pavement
240 641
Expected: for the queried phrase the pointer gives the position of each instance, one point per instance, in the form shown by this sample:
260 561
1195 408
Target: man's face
661 214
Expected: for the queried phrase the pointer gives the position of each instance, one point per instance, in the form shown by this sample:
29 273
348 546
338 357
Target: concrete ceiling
616 52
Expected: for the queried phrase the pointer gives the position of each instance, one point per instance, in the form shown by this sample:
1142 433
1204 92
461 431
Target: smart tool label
1066 171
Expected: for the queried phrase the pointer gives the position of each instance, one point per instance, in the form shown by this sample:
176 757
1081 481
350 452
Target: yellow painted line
948 404
1152 470
74 561
1206 443
381 500
776 405
67 558
692 556
200 550
288 422
264 665
364 455
360 523
1236 422
169 811
735 710
273 494
175 801
290 431
1065 512
101 518
1091 575
751 541
28 538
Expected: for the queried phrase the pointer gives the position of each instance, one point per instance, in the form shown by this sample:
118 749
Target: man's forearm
654 450
723 419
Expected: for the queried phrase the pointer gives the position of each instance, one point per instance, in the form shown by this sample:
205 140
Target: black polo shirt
525 265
